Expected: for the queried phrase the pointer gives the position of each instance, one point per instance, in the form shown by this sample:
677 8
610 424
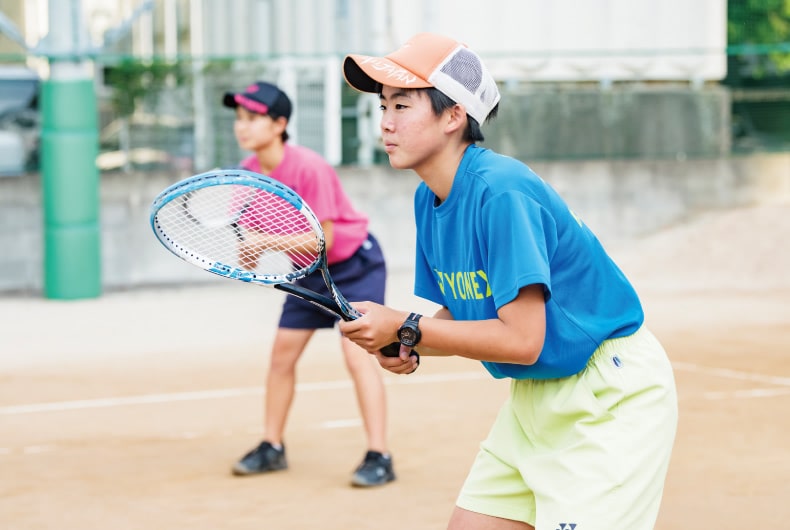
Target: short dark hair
284 136
440 102
276 116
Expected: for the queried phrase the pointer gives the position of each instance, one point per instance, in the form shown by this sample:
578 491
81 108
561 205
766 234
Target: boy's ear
456 118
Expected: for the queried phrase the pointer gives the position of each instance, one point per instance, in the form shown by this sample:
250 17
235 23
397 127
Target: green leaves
133 79
759 31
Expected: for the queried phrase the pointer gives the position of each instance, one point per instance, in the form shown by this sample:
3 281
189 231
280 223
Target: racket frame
337 304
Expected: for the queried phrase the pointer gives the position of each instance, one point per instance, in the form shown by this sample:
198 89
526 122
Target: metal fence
178 118
158 114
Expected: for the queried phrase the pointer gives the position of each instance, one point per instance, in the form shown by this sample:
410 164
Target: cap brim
229 100
369 74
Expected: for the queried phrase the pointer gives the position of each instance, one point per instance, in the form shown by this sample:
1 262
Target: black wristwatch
409 333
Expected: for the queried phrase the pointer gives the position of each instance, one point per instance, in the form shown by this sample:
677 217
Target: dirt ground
128 411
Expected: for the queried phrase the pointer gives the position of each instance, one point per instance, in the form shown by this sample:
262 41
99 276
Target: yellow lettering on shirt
464 285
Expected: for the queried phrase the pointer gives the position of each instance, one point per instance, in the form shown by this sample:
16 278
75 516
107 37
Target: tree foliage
758 32
133 80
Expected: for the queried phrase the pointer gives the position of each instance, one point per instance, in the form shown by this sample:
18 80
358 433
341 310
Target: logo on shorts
566 526
617 362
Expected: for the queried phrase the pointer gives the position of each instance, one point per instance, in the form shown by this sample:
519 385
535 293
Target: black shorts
361 277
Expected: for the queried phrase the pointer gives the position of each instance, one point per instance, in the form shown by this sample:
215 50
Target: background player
356 264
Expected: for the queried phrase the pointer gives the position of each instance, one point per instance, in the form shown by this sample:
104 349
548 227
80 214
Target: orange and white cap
429 60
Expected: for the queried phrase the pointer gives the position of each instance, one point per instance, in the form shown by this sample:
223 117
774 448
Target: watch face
408 336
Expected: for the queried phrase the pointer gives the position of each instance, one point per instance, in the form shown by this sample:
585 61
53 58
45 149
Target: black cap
261 98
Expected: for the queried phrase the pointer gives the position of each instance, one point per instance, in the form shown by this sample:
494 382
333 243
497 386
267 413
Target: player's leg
371 396
281 380
363 277
376 468
298 322
269 454
464 519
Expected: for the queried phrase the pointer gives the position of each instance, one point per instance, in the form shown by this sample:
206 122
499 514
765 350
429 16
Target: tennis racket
245 226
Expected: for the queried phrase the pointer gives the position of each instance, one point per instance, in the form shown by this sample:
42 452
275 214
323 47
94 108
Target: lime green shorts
590 450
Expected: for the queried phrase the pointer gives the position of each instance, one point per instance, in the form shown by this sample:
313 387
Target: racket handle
393 350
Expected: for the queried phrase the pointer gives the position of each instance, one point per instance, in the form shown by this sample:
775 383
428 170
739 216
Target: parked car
20 122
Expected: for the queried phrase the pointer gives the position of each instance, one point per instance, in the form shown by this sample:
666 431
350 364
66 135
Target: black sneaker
375 470
261 459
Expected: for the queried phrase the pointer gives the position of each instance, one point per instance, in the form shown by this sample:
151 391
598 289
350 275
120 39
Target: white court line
782 382
732 374
749 393
59 406
36 449
341 424
782 389
333 385
83 404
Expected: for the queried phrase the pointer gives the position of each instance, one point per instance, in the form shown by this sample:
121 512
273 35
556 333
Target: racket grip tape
393 350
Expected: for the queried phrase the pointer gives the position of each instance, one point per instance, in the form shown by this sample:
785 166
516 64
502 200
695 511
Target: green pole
70 184
70 177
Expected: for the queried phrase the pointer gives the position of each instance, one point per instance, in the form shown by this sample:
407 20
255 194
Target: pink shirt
309 175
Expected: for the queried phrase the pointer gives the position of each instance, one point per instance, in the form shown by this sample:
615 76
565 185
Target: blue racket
248 227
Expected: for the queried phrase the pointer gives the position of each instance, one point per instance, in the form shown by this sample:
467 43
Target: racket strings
241 227
274 226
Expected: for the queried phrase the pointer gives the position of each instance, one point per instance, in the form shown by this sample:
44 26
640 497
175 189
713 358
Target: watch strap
412 324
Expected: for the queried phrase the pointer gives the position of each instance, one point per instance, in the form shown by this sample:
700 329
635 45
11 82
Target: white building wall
534 40
580 40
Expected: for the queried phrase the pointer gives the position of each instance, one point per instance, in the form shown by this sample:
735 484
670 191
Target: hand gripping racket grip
393 350
330 305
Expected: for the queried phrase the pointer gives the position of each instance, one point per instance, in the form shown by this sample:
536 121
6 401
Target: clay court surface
127 411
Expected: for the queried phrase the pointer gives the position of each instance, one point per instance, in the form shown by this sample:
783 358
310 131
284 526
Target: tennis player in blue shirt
585 439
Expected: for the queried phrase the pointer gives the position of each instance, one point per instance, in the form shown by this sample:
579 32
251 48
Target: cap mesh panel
465 68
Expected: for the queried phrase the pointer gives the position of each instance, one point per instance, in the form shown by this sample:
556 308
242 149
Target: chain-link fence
168 114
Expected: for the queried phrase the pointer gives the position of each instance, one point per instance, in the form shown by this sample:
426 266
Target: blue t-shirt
503 228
